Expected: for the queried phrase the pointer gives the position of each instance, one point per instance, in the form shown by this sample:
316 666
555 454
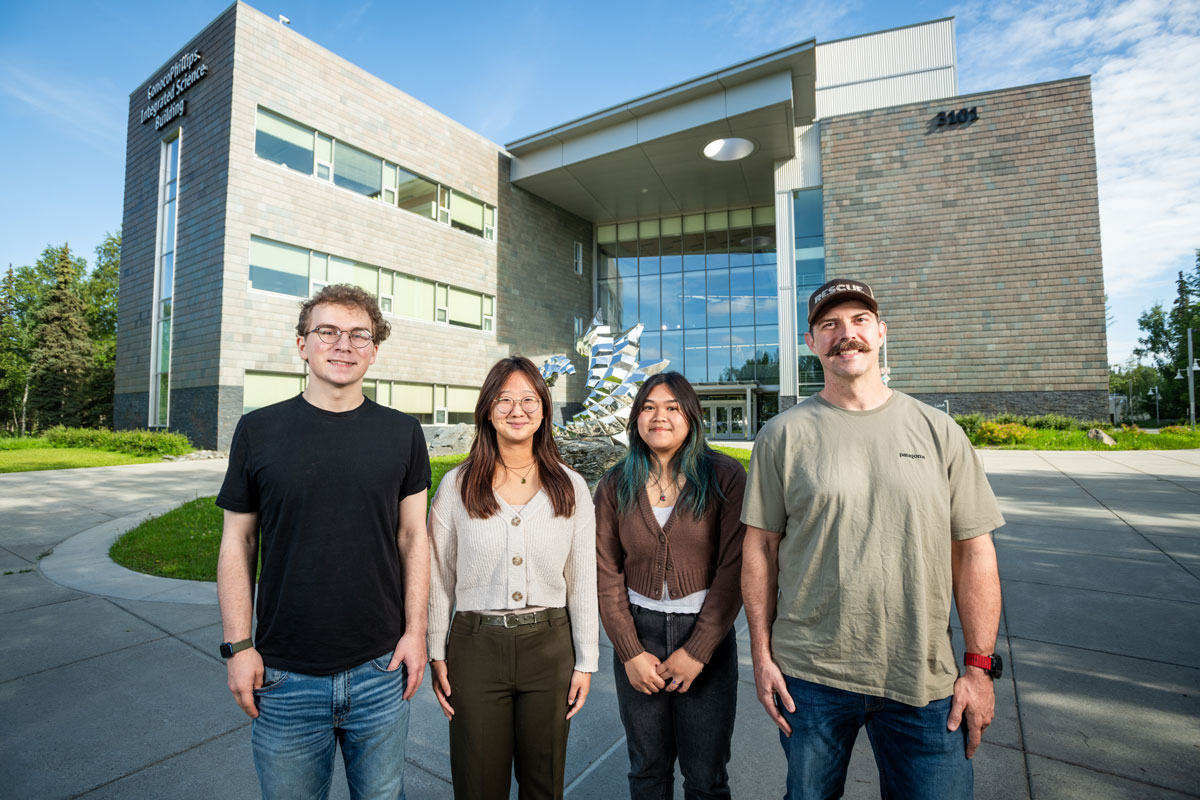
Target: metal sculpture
614 376
555 366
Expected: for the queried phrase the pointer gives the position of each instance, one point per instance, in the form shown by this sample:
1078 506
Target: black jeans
696 726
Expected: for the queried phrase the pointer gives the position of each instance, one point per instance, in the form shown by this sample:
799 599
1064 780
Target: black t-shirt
327 488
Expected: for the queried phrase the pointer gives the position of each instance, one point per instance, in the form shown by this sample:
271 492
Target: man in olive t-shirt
865 511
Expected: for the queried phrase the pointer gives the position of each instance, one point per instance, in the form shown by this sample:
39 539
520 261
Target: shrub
993 432
1056 422
969 423
138 443
1176 430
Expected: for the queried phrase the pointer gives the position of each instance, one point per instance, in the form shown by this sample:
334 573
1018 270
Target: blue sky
506 70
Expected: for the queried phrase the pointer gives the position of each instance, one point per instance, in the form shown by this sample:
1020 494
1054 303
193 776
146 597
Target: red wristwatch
992 664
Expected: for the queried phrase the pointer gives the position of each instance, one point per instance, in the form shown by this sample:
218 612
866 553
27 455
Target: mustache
845 346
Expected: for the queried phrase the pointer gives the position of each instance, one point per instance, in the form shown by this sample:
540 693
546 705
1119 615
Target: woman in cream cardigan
513 549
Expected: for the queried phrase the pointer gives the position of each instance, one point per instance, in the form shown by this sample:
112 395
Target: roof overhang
644 158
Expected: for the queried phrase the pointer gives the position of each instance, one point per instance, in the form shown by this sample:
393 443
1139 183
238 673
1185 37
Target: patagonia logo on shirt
912 455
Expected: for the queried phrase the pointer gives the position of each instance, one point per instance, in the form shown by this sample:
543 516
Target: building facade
261 166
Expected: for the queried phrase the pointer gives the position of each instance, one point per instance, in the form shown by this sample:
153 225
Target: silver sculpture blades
614 376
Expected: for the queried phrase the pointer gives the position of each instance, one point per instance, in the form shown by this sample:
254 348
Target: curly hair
348 296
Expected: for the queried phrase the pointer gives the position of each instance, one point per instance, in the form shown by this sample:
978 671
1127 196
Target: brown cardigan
689 554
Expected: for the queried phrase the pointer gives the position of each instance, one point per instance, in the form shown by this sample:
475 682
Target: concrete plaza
111 686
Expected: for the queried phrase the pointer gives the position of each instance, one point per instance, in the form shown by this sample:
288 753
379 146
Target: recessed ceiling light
730 149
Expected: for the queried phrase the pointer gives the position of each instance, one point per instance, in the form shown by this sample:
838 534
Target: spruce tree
63 358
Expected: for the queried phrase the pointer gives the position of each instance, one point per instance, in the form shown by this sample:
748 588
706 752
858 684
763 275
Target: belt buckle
508 617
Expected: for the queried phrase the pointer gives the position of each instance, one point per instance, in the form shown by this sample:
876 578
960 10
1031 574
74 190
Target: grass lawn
1042 439
28 459
184 542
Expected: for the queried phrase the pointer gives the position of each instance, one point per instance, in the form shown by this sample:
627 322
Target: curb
82 563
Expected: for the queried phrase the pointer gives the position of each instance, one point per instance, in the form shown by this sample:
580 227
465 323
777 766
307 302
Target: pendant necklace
662 492
528 469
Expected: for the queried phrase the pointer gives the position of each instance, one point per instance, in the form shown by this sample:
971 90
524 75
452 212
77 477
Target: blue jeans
696 726
302 718
918 758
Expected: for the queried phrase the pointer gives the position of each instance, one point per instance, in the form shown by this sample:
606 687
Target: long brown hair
478 471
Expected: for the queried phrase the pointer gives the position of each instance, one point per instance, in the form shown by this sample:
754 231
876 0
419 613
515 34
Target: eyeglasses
359 337
529 404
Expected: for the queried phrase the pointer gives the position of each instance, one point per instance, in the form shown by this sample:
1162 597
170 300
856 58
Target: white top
688 604
514 560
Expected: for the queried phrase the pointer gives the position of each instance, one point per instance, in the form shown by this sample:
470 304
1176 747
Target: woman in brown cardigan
669 557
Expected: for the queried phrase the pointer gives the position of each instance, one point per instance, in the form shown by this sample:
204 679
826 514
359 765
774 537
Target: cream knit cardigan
512 560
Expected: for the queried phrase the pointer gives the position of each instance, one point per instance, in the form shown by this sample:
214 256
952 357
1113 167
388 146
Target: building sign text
166 102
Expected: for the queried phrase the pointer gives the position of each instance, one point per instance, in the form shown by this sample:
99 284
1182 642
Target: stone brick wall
227 195
982 242
196 315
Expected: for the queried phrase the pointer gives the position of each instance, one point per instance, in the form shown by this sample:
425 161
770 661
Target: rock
591 458
450 440
1102 437
198 455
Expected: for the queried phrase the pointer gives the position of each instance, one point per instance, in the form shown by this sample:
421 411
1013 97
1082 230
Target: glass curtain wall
704 286
168 198
809 224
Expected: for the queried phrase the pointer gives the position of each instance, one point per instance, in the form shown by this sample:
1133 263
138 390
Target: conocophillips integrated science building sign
165 94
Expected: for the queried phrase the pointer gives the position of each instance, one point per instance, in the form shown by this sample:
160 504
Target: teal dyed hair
693 460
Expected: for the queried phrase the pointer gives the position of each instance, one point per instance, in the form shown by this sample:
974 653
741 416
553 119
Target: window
281 268
284 142
466 309
286 269
460 404
357 171
416 194
160 358
298 147
414 297
577 260
264 388
578 327
466 214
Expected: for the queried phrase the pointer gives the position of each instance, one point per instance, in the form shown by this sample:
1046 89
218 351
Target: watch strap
229 649
990 664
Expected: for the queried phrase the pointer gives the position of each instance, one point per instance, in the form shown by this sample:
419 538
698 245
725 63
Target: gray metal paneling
803 171
785 254
886 92
880 55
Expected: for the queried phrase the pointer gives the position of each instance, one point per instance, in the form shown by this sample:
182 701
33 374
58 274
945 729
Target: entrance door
725 419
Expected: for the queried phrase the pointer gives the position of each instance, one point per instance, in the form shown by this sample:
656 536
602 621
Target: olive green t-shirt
868 503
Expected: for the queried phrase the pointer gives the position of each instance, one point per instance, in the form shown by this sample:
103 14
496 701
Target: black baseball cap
839 290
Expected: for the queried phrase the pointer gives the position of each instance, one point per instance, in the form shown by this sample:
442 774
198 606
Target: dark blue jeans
918 758
303 718
696 726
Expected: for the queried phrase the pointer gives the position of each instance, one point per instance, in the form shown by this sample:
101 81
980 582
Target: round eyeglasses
359 337
529 404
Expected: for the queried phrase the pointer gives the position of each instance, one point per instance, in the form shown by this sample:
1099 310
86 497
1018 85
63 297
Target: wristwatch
992 664
229 648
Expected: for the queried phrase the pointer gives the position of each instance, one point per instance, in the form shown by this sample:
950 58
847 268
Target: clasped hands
649 675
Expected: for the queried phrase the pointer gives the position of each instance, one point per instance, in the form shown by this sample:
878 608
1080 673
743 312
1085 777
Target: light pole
1157 416
1192 368
1191 362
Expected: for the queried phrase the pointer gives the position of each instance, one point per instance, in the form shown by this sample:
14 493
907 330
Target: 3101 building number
960 117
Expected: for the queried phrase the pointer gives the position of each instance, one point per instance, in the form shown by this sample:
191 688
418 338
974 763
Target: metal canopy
643 158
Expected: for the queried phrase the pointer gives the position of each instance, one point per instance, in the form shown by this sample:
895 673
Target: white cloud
1144 59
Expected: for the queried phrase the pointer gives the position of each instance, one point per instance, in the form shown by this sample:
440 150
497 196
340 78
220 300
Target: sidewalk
110 685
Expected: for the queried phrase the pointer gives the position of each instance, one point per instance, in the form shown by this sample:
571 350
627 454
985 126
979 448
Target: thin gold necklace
528 469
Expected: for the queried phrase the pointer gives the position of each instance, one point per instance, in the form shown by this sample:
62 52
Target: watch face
226 650
997 666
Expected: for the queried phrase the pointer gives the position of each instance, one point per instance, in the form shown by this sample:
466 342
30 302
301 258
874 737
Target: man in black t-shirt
330 488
